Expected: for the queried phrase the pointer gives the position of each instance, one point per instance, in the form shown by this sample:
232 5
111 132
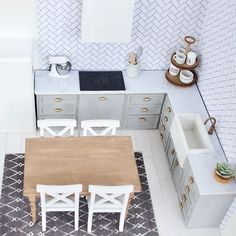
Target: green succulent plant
225 170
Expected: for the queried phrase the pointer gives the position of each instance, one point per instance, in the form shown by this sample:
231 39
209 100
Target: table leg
130 198
32 200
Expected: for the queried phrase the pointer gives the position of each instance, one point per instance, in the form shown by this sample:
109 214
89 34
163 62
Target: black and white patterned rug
15 218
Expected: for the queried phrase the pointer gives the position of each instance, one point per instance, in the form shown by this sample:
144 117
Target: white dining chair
66 125
109 127
108 199
59 198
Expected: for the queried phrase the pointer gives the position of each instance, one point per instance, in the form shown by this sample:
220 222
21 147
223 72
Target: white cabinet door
101 107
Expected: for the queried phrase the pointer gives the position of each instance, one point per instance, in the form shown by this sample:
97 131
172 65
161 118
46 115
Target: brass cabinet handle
58 99
184 198
191 180
176 163
58 110
142 119
165 118
161 136
172 151
144 109
147 99
163 127
187 189
181 205
169 109
102 98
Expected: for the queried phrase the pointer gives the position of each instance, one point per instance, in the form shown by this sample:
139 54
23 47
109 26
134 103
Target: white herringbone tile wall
218 70
218 74
158 26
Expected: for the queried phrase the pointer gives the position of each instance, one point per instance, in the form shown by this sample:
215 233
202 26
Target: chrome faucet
213 123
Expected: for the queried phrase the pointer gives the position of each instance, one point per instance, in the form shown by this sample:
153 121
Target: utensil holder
133 70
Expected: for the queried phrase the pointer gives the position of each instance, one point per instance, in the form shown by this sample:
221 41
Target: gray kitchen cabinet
56 106
102 106
142 111
202 200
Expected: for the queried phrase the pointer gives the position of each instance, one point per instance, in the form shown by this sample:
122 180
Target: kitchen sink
189 136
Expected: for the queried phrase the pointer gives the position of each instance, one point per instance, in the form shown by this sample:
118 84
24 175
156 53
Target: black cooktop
101 80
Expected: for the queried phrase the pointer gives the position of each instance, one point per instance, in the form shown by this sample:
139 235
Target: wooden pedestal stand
175 79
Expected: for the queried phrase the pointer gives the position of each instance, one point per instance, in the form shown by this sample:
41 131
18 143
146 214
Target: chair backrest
58 197
67 125
108 125
109 198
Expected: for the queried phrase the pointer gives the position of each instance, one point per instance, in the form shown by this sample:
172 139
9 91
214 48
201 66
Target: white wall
18 18
158 25
217 79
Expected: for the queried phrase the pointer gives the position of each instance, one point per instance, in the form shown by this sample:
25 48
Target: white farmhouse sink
189 136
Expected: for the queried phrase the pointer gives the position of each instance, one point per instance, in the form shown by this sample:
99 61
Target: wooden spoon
132 58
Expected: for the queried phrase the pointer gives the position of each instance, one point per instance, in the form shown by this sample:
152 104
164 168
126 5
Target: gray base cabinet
142 111
135 111
56 106
202 200
103 106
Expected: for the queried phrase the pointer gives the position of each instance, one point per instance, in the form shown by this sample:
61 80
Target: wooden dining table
103 160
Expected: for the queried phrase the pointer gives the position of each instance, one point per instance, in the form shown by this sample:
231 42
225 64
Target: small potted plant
225 172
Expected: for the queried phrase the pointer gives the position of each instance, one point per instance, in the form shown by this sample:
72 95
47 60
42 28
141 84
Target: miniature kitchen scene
118 118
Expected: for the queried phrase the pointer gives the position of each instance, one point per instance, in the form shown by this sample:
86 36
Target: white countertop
183 99
204 164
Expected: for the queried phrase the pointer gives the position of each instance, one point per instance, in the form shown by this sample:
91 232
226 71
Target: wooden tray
222 180
175 79
184 66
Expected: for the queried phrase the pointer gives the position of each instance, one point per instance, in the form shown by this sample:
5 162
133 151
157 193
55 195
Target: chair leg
76 219
122 221
43 220
90 220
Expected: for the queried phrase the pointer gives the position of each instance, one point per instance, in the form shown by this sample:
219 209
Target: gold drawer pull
163 127
147 99
191 180
58 110
165 118
161 136
176 163
58 99
184 197
144 109
172 151
181 205
187 189
102 98
142 119
169 109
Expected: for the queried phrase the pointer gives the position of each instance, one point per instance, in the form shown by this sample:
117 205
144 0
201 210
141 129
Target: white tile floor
165 204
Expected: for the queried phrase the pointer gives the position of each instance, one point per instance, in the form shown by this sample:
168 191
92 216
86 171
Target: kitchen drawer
143 109
164 135
57 110
42 117
146 99
141 122
176 173
167 110
171 153
182 207
57 99
190 181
